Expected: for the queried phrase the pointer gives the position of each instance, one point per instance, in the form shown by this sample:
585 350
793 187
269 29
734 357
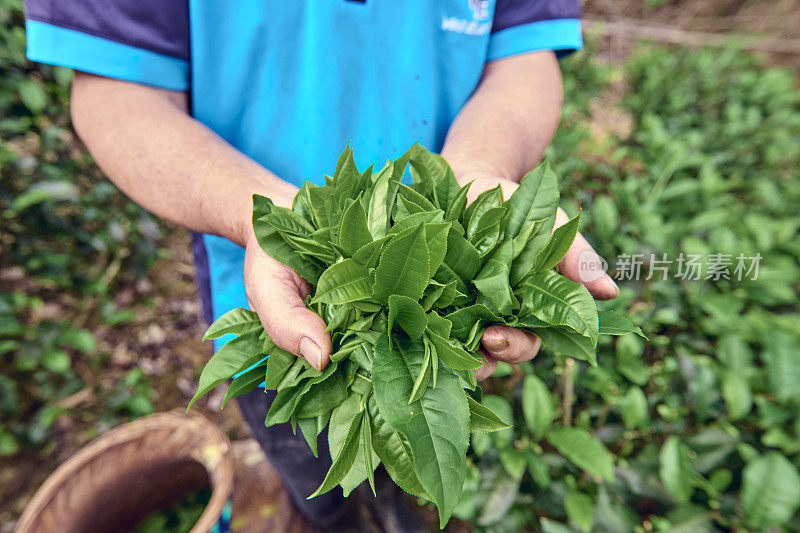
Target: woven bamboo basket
131 471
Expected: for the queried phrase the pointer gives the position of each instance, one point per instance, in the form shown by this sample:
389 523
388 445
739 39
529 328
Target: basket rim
221 473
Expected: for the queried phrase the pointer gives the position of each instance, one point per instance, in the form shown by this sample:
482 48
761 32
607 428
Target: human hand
503 343
277 294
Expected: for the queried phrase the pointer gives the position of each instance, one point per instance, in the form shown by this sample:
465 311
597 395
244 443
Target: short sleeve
143 41
528 25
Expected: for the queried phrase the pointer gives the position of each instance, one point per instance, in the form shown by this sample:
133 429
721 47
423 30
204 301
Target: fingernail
311 352
613 285
496 345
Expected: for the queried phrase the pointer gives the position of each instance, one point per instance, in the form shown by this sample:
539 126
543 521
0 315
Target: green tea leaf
311 428
536 198
633 408
455 210
525 235
444 186
580 510
770 491
342 419
675 470
403 267
560 241
405 209
432 294
279 362
551 297
381 203
453 356
302 203
236 321
421 381
408 314
493 282
464 319
291 394
310 248
323 397
272 242
487 225
568 343
439 325
394 451
370 458
613 323
283 219
244 384
436 236
584 450
436 426
502 408
413 220
345 458
414 197
353 230
482 419
485 201
232 358
369 254
537 405
344 282
461 258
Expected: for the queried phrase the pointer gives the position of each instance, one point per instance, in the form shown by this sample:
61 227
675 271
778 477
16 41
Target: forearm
504 128
167 162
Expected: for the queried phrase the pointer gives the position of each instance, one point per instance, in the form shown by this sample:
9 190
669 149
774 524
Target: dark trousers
290 456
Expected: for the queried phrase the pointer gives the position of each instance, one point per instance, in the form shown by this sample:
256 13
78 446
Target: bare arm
148 145
501 134
508 122
167 162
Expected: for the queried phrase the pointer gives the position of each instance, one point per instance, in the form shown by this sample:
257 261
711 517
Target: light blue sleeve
56 45
561 35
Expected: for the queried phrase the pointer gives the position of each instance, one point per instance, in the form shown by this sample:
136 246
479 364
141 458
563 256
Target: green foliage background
702 421
68 239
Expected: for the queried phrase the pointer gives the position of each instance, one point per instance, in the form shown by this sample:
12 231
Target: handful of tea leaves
407 278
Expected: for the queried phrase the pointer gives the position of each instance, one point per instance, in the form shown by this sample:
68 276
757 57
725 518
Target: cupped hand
503 343
277 294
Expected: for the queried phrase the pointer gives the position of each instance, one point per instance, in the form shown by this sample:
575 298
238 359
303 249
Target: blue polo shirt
291 83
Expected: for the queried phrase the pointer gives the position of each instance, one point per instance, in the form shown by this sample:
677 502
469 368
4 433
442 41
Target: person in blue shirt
191 106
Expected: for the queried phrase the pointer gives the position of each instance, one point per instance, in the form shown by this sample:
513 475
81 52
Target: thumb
275 292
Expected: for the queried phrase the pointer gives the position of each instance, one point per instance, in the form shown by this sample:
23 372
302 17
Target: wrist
282 196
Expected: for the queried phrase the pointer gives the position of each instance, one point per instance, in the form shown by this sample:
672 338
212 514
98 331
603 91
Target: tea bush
703 419
68 237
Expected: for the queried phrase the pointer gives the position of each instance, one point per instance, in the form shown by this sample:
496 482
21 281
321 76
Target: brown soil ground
771 27
163 340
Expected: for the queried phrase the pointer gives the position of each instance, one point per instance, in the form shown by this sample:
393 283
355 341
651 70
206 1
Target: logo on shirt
480 9
476 26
